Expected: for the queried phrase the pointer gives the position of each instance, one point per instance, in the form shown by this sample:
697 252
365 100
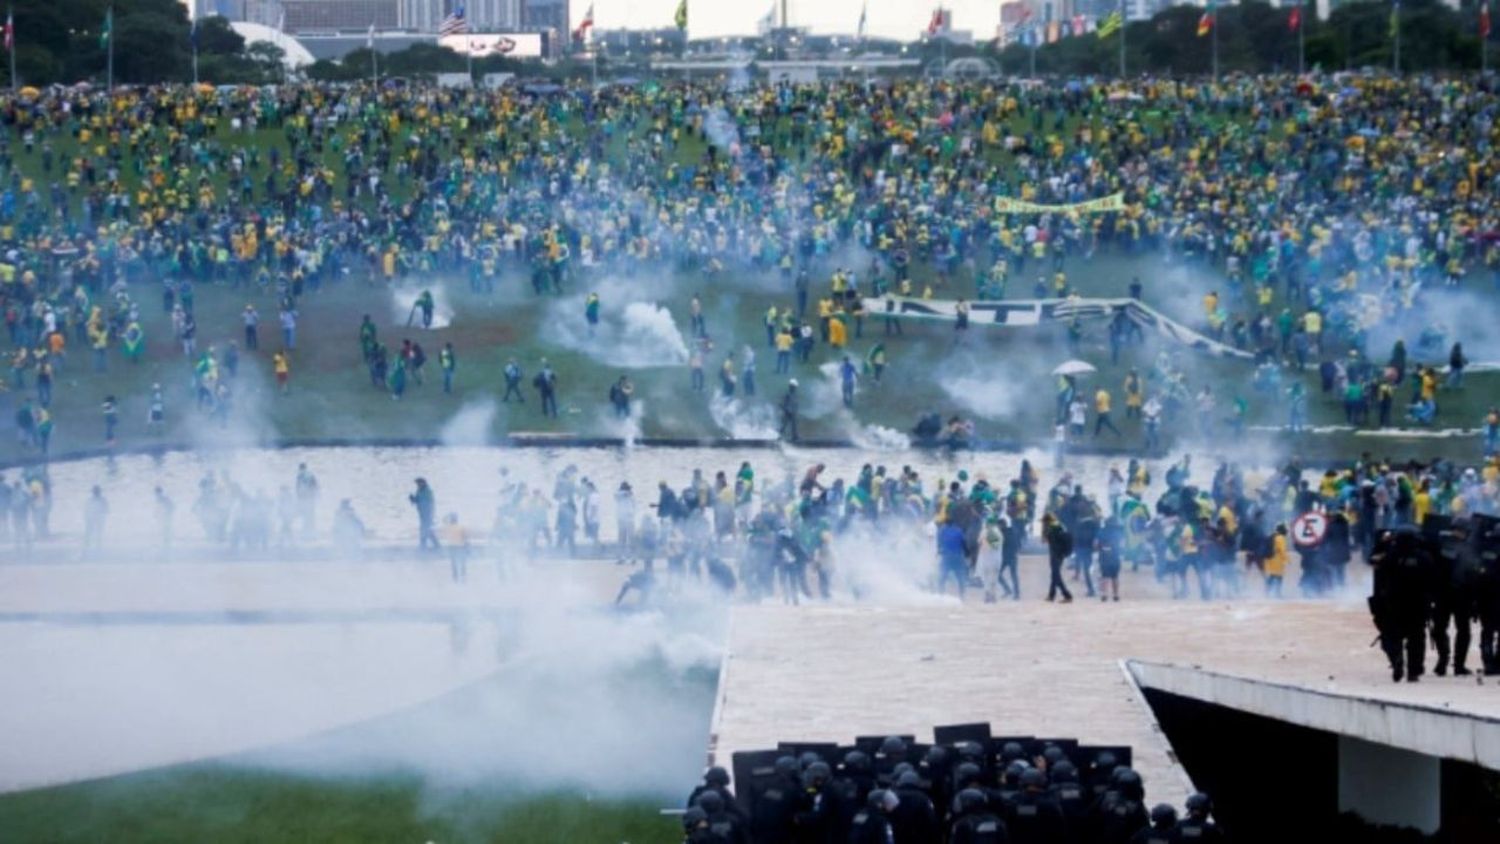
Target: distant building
350 15
545 14
493 15
420 15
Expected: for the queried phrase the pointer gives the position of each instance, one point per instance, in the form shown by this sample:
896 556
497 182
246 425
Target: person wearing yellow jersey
1276 562
1102 405
1421 504
282 366
1134 395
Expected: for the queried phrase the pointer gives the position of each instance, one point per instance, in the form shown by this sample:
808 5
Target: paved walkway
831 673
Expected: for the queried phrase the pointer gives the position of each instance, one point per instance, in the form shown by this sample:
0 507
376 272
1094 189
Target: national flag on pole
1395 18
1110 24
935 25
1078 24
1206 23
454 23
193 34
1294 18
863 12
370 37
681 17
1484 22
109 24
584 25
10 31
281 21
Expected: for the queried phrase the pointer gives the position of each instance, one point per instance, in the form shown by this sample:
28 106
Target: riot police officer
1401 599
1163 828
1035 816
775 806
716 779
975 823
1197 827
914 818
1455 592
872 824
726 826
1120 814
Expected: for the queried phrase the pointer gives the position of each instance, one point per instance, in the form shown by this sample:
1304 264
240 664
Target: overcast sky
902 19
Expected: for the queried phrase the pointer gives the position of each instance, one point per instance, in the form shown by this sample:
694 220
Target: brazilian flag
681 17
1137 519
875 355
134 341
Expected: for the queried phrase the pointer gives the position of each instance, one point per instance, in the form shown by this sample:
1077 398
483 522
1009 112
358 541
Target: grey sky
902 19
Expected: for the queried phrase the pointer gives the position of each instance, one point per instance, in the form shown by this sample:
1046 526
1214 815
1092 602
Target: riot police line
967 787
1444 575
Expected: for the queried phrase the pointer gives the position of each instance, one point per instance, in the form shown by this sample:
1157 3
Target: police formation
1445 575
893 790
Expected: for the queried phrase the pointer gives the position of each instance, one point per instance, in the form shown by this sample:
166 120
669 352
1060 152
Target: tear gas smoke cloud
404 311
743 419
609 703
643 335
471 425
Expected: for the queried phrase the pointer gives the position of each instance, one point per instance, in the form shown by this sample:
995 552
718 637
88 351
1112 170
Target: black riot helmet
892 746
1129 784
1011 751
967 774
970 751
1064 771
969 800
716 776
1031 778
1013 772
693 818
857 762
909 779
816 774
787 766
711 802
1163 815
1199 804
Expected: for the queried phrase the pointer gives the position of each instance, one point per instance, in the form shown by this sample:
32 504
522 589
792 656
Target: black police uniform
1402 599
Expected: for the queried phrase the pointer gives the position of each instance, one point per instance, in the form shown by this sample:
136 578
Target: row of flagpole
1115 22
1208 25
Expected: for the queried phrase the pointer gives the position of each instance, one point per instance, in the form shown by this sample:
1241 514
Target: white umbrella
1075 367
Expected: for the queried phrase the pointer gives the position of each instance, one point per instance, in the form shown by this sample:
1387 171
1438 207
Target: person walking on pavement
789 412
426 504
1059 546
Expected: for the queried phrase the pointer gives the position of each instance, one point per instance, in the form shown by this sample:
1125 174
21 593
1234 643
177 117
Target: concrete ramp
831 673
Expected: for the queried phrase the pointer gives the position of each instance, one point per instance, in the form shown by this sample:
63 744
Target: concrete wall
1388 785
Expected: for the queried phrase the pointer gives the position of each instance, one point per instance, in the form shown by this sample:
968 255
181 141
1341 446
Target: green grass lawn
226 804
501 760
331 396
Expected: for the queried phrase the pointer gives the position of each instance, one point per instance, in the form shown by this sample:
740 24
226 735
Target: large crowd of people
1325 208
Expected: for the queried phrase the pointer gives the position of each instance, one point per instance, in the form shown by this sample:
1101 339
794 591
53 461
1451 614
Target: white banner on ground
1027 313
